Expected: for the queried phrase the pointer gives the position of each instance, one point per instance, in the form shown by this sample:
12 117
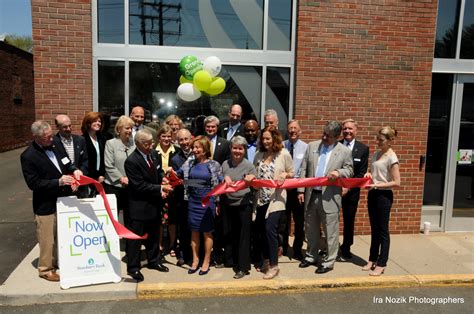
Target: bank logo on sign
90 261
88 235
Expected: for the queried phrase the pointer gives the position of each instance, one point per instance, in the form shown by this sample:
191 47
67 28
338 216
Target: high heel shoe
192 271
204 272
377 271
368 266
272 272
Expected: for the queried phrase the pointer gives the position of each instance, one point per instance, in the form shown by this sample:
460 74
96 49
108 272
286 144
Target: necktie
150 162
292 147
230 132
322 162
212 150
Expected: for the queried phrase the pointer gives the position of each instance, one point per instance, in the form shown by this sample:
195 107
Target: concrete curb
254 287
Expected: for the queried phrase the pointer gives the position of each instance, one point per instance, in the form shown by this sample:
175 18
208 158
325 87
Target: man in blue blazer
350 197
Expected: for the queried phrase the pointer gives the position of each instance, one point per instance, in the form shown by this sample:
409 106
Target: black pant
140 227
379 204
237 220
349 209
184 234
295 209
267 234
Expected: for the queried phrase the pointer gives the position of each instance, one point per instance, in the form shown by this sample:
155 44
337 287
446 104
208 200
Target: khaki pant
46 235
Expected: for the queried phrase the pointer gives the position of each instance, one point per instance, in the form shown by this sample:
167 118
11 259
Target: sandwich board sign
88 246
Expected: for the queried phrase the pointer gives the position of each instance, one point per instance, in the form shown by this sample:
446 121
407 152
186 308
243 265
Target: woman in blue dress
201 175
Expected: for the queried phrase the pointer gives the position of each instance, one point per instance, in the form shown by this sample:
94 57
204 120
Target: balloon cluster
199 77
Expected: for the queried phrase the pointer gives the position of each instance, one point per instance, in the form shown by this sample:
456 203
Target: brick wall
62 37
371 61
16 97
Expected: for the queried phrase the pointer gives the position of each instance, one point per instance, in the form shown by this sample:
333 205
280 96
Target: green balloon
189 65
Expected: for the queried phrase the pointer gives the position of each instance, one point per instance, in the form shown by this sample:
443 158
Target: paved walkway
415 260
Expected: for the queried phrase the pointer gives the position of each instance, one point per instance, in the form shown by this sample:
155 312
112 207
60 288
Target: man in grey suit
324 158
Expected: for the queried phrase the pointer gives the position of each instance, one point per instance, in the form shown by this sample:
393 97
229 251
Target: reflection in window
467 40
204 23
110 21
447 28
437 146
278 93
111 88
153 86
279 25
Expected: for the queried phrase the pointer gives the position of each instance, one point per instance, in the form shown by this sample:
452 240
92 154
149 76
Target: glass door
459 213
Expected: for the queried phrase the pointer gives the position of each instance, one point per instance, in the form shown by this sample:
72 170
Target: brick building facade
16 96
371 61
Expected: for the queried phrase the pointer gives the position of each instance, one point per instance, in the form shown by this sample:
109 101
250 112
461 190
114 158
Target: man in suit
270 118
350 197
220 147
251 132
324 158
184 138
74 146
46 170
234 128
297 149
143 169
138 116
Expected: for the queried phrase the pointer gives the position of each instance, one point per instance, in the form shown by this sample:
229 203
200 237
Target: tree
23 42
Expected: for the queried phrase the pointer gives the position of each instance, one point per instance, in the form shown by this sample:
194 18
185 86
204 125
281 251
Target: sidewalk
415 260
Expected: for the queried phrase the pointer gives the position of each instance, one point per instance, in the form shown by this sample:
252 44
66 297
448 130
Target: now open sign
89 248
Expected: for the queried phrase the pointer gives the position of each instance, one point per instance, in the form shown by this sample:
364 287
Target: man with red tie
143 169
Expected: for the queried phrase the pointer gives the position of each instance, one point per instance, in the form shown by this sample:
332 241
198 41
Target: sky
15 17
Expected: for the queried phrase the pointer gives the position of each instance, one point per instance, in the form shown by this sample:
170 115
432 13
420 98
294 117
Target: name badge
356 159
65 161
299 156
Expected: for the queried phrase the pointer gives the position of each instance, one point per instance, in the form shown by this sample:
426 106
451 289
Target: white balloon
188 92
212 65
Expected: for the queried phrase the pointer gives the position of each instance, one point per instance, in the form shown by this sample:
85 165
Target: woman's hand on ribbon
249 178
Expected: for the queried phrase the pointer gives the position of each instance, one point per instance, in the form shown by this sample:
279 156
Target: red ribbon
173 178
286 184
122 232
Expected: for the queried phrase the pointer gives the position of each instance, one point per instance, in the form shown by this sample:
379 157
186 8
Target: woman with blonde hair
201 175
176 124
116 152
385 174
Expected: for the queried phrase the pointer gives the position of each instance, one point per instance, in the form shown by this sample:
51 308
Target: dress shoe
137 275
159 267
323 270
241 274
50 276
204 272
192 271
305 263
323 253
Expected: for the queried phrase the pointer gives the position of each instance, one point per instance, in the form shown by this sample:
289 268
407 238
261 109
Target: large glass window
438 132
153 86
279 25
110 21
467 40
191 23
111 88
447 28
278 93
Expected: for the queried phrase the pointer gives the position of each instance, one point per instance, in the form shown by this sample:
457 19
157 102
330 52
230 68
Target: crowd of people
237 230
